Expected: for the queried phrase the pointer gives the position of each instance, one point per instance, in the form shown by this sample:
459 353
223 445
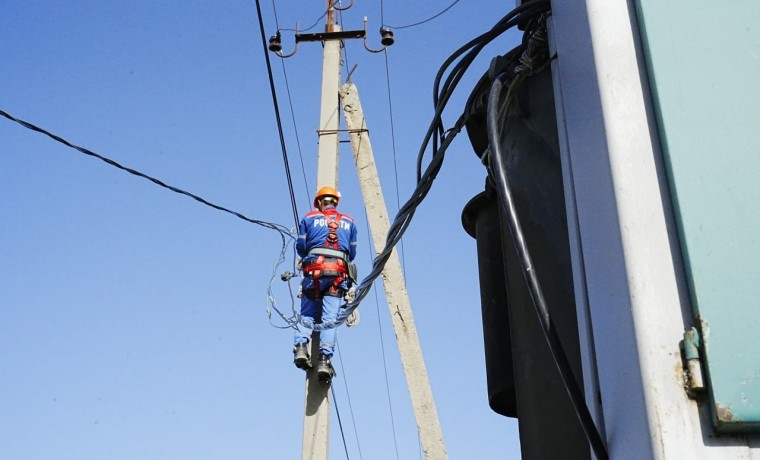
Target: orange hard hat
326 191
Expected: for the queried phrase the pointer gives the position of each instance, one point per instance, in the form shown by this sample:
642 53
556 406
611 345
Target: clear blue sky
132 319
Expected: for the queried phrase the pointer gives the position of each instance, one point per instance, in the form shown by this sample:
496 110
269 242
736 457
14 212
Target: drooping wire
293 203
292 111
276 19
472 49
393 132
423 21
371 249
393 147
348 397
387 381
345 48
340 422
290 104
291 321
284 231
403 261
497 170
295 128
316 23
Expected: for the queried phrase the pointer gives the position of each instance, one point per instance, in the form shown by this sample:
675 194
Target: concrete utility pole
329 119
417 380
316 423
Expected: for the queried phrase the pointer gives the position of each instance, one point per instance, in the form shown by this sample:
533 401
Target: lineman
327 245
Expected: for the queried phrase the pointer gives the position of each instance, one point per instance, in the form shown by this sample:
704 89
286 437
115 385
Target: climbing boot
325 370
301 357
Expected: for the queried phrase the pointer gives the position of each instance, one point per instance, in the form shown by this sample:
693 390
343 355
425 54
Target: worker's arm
301 241
352 243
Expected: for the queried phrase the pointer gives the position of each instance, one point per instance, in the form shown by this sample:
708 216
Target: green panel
703 61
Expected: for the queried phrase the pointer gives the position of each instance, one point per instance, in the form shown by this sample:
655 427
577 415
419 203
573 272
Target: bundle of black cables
453 69
518 66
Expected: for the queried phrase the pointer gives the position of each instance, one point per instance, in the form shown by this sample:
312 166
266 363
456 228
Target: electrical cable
345 48
348 396
284 231
340 423
292 111
393 145
371 250
425 179
475 46
276 19
277 115
387 381
291 321
424 21
316 23
497 169
295 128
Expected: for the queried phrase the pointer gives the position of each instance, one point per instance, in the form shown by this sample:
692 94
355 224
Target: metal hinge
693 375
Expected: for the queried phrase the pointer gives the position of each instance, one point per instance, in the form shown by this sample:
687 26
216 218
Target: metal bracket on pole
324 36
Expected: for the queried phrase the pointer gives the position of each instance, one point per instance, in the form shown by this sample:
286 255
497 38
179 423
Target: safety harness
330 261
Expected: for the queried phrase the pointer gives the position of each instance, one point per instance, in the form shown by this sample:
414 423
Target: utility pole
316 422
316 425
413 362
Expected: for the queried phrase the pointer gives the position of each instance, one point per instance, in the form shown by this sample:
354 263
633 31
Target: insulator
275 45
386 36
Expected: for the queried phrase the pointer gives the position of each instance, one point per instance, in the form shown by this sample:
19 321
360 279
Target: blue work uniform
323 292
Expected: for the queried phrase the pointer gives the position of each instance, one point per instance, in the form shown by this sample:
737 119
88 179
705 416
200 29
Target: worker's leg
309 310
330 307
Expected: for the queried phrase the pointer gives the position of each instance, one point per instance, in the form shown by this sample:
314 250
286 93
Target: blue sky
132 319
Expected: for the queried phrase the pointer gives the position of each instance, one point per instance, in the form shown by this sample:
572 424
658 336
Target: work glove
353 318
350 295
299 264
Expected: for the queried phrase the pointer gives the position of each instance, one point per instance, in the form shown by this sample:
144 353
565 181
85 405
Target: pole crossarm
325 36
332 33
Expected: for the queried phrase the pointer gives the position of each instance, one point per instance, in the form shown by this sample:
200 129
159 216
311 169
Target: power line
345 48
348 396
340 423
316 23
385 370
295 127
442 95
284 231
292 111
393 147
441 99
424 21
371 250
277 115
